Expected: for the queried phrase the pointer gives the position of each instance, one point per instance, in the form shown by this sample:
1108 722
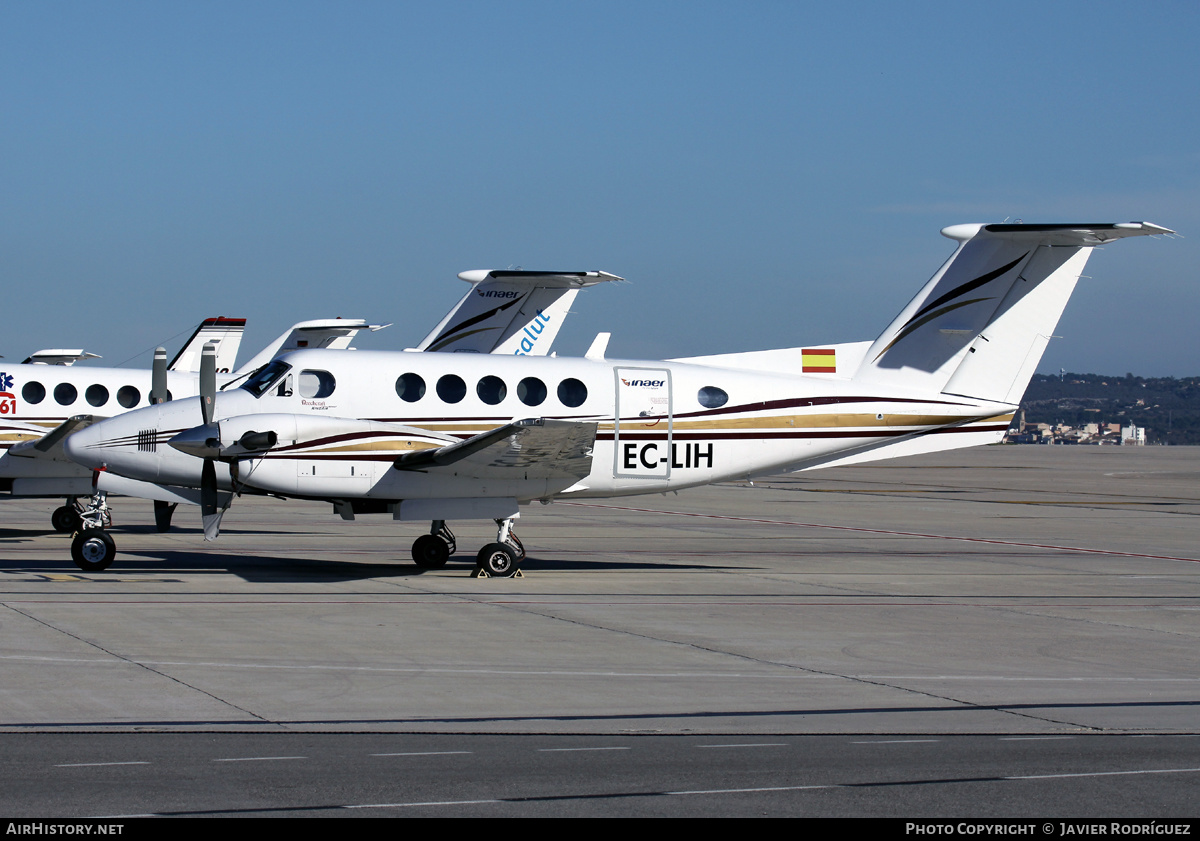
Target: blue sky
765 174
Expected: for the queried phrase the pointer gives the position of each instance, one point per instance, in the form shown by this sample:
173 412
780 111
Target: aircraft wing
50 445
536 448
511 312
17 434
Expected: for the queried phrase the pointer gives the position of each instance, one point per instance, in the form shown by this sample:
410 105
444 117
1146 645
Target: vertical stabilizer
979 326
329 333
510 312
224 333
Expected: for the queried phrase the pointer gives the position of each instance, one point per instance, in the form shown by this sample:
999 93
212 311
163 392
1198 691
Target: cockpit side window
316 384
262 380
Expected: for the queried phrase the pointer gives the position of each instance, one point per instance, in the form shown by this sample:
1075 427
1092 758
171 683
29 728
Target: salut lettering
532 331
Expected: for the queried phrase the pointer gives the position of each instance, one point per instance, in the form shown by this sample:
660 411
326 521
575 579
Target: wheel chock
480 572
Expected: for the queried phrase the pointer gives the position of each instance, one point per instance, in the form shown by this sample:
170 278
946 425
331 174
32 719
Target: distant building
1135 435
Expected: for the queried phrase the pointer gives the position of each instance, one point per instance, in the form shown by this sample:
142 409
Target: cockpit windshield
265 377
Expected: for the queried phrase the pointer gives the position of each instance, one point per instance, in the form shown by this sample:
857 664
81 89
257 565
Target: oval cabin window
711 397
65 394
316 384
491 390
33 392
128 396
451 388
410 387
571 392
531 391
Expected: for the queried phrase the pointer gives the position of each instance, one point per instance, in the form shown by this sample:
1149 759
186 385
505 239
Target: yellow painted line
55 576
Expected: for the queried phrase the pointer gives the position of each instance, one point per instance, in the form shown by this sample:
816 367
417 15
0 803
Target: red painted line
885 531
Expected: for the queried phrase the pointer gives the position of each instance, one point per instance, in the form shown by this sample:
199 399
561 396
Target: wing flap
535 448
50 445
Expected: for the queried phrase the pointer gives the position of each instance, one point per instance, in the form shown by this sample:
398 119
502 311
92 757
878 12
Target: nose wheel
93 550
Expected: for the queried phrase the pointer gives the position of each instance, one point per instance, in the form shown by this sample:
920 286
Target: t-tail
510 312
979 327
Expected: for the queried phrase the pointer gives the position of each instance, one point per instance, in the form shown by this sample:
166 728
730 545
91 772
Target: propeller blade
209 512
208 488
208 380
212 524
158 377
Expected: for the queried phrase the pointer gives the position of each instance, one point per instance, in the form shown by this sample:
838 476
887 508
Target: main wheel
93 550
497 559
65 519
430 551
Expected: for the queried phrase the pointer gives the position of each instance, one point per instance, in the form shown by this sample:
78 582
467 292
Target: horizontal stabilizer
537 448
59 356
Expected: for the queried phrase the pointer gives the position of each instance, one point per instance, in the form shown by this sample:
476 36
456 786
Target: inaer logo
496 293
533 331
644 383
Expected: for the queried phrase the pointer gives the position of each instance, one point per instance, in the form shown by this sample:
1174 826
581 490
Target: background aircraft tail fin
330 333
511 312
979 326
226 333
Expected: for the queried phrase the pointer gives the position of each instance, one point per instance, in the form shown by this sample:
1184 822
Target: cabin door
643 427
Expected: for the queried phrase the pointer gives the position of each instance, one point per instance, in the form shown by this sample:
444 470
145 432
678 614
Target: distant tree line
1167 407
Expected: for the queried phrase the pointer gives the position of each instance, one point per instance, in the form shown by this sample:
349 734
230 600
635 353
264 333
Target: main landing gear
65 518
500 559
432 550
92 548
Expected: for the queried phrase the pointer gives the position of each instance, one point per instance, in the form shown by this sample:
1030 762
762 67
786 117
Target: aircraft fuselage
343 419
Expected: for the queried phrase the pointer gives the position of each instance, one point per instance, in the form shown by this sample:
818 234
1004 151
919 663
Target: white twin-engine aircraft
40 401
503 312
439 437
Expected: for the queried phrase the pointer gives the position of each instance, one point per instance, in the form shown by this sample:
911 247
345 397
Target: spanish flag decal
818 360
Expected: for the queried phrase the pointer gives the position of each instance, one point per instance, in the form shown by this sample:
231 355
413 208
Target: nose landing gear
92 549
